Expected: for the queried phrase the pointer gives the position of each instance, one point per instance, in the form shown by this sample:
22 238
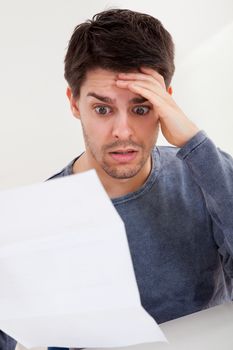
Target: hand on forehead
146 74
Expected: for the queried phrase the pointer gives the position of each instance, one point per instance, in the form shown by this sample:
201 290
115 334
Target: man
176 202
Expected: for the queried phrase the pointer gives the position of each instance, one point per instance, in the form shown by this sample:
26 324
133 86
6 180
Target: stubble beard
117 171
123 171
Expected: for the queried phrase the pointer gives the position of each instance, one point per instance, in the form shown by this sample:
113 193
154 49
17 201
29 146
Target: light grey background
38 135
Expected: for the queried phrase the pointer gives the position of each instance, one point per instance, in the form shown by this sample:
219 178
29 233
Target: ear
169 90
73 103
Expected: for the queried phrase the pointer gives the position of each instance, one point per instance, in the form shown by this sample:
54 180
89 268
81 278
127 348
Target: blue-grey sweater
179 226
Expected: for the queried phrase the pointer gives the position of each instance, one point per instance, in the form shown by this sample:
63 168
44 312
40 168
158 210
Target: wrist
195 130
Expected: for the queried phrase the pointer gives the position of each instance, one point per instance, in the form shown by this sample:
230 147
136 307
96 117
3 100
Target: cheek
96 131
149 129
150 135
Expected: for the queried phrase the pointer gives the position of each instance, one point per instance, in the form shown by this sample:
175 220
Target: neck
114 187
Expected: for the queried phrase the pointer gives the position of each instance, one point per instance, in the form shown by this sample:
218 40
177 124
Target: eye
141 110
102 110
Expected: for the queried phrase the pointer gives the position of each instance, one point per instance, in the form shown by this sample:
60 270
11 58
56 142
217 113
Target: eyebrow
109 100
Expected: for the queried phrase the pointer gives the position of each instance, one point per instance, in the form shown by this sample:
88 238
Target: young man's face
120 128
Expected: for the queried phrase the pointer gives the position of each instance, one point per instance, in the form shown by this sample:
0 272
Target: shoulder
66 171
167 155
169 166
168 150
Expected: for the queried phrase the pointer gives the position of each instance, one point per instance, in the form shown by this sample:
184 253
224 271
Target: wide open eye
141 110
103 110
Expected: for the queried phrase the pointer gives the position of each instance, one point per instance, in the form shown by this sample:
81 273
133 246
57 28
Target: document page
67 277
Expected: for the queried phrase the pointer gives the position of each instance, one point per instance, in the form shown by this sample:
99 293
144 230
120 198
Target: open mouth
124 156
123 152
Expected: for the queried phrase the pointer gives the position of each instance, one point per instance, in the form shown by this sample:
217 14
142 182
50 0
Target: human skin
120 115
175 125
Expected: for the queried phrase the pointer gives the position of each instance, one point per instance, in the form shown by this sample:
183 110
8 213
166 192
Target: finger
139 76
146 85
135 76
154 74
144 90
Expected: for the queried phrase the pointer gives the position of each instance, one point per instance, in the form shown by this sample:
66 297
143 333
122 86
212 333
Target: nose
121 127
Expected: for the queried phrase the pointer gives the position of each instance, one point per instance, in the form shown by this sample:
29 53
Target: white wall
38 135
204 87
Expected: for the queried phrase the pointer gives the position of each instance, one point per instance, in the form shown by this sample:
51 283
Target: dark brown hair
118 40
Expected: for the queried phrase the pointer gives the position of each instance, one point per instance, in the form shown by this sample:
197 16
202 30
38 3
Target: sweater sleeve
6 342
212 170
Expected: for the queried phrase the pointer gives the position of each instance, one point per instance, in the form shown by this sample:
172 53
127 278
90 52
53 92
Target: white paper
66 275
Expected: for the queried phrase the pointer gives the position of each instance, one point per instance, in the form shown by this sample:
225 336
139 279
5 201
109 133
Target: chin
122 174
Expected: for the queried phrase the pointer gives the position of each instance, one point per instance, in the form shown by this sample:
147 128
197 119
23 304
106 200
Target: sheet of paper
67 277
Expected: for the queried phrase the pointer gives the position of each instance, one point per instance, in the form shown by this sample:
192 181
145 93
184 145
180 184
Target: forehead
100 77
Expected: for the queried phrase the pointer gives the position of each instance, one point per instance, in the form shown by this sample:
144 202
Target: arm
212 170
6 342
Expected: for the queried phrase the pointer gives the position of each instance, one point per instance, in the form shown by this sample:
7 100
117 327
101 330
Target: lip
124 155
